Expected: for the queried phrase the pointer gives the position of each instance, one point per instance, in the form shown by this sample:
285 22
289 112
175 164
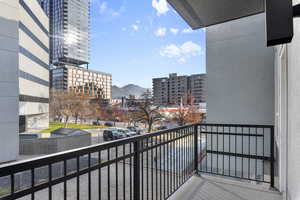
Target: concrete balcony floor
215 188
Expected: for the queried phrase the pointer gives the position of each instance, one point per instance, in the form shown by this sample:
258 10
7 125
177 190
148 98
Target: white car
127 132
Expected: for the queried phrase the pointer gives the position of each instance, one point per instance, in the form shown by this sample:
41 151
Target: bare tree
56 104
145 112
188 114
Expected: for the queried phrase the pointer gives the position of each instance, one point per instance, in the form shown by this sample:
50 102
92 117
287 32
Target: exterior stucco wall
293 116
240 73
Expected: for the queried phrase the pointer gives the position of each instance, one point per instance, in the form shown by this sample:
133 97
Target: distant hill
130 89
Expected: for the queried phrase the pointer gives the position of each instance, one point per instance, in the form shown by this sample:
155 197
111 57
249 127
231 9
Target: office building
69 31
24 72
176 90
83 81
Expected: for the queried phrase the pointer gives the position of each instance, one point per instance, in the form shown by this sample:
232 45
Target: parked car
110 124
136 129
127 132
96 123
166 127
112 134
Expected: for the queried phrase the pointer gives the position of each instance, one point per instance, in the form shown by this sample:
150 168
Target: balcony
233 161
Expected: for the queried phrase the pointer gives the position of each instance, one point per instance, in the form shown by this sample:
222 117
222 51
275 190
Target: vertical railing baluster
99 175
235 150
164 166
12 183
256 153
147 168
142 169
160 168
65 182
223 151
117 173
89 177
152 174
272 156
136 170
206 138
196 148
32 184
130 172
229 158
108 174
242 152
78 177
249 153
200 150
168 169
217 134
50 181
124 171
263 151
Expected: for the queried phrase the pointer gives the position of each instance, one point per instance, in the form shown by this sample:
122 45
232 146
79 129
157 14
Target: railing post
196 148
272 157
136 171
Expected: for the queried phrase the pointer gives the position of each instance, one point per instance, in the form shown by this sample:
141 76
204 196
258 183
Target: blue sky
137 40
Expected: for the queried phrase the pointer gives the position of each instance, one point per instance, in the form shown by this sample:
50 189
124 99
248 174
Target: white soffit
203 13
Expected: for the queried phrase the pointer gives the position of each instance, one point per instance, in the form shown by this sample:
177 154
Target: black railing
151 166
237 151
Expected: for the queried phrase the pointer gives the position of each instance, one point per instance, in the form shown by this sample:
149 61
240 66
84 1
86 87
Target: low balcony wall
51 145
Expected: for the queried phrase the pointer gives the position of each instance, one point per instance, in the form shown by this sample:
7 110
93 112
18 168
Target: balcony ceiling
203 13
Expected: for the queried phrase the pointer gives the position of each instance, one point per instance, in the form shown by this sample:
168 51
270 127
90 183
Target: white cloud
160 32
105 10
174 31
161 6
181 52
187 30
135 27
103 6
182 60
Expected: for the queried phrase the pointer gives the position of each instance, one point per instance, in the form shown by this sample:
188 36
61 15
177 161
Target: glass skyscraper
69 31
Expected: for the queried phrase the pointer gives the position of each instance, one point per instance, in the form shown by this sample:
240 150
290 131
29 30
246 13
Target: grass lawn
4 191
56 125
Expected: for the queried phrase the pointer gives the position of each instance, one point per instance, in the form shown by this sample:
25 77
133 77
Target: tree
145 112
188 114
56 104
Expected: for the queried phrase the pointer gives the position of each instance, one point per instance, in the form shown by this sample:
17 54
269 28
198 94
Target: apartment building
24 72
82 81
176 90
69 31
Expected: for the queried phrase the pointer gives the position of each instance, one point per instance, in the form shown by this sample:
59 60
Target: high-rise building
24 72
69 31
83 81
176 90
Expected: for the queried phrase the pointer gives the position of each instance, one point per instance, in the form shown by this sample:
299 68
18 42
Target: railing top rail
237 125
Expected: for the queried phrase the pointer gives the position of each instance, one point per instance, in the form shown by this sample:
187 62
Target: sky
137 40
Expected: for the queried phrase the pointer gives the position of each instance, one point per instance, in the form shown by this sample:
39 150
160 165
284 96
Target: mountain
130 89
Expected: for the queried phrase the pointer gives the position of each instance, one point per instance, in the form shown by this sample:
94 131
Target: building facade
176 90
69 31
24 72
33 66
83 81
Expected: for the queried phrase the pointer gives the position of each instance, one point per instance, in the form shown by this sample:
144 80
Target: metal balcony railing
151 166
